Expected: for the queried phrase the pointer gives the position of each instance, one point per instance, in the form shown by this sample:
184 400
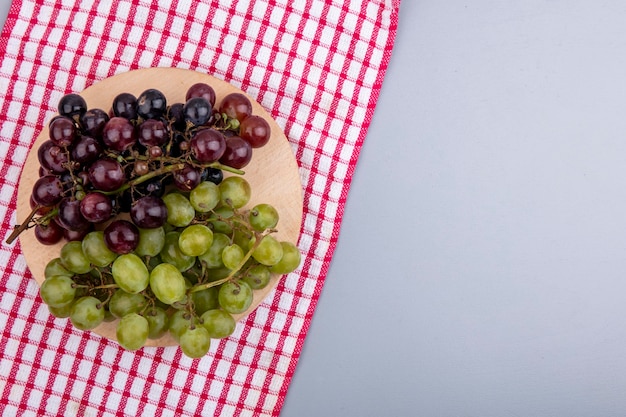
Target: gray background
481 266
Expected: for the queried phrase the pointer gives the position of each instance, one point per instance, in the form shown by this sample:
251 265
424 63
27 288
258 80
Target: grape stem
21 227
201 287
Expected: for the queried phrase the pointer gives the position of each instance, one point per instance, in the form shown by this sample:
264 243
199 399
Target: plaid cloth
316 65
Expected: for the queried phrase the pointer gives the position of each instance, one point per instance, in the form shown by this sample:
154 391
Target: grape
236 106
238 153
96 207
204 197
269 251
151 104
187 179
180 212
218 323
57 291
132 331
152 132
235 191
123 303
208 145
157 322
62 131
125 105
121 236
178 323
195 342
201 90
48 234
205 300
86 150
106 174
47 191
167 283
73 258
119 134
213 256
72 105
62 312
235 297
87 313
176 117
52 158
232 255
197 111
148 212
55 267
221 225
289 261
172 254
263 217
213 175
257 277
195 240
93 121
95 249
77 235
255 130
151 241
130 273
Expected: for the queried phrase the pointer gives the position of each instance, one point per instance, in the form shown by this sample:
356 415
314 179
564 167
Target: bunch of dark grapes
155 235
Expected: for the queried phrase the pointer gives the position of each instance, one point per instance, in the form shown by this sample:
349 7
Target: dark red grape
152 132
86 150
187 179
175 116
213 175
121 236
208 145
236 106
119 134
125 105
255 130
148 212
238 153
52 158
69 216
96 207
62 131
197 111
77 235
151 104
47 191
48 234
93 121
72 105
201 90
106 174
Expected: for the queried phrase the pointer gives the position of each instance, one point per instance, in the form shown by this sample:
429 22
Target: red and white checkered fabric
316 65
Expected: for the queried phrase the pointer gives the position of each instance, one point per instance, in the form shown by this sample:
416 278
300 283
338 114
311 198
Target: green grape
167 283
195 239
178 323
96 250
151 241
235 191
219 323
217 274
62 312
57 291
205 300
213 257
172 254
232 255
263 217
123 303
257 277
195 342
180 212
130 273
290 260
55 267
74 259
157 322
269 251
220 225
108 316
235 297
242 237
87 313
132 331
205 197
